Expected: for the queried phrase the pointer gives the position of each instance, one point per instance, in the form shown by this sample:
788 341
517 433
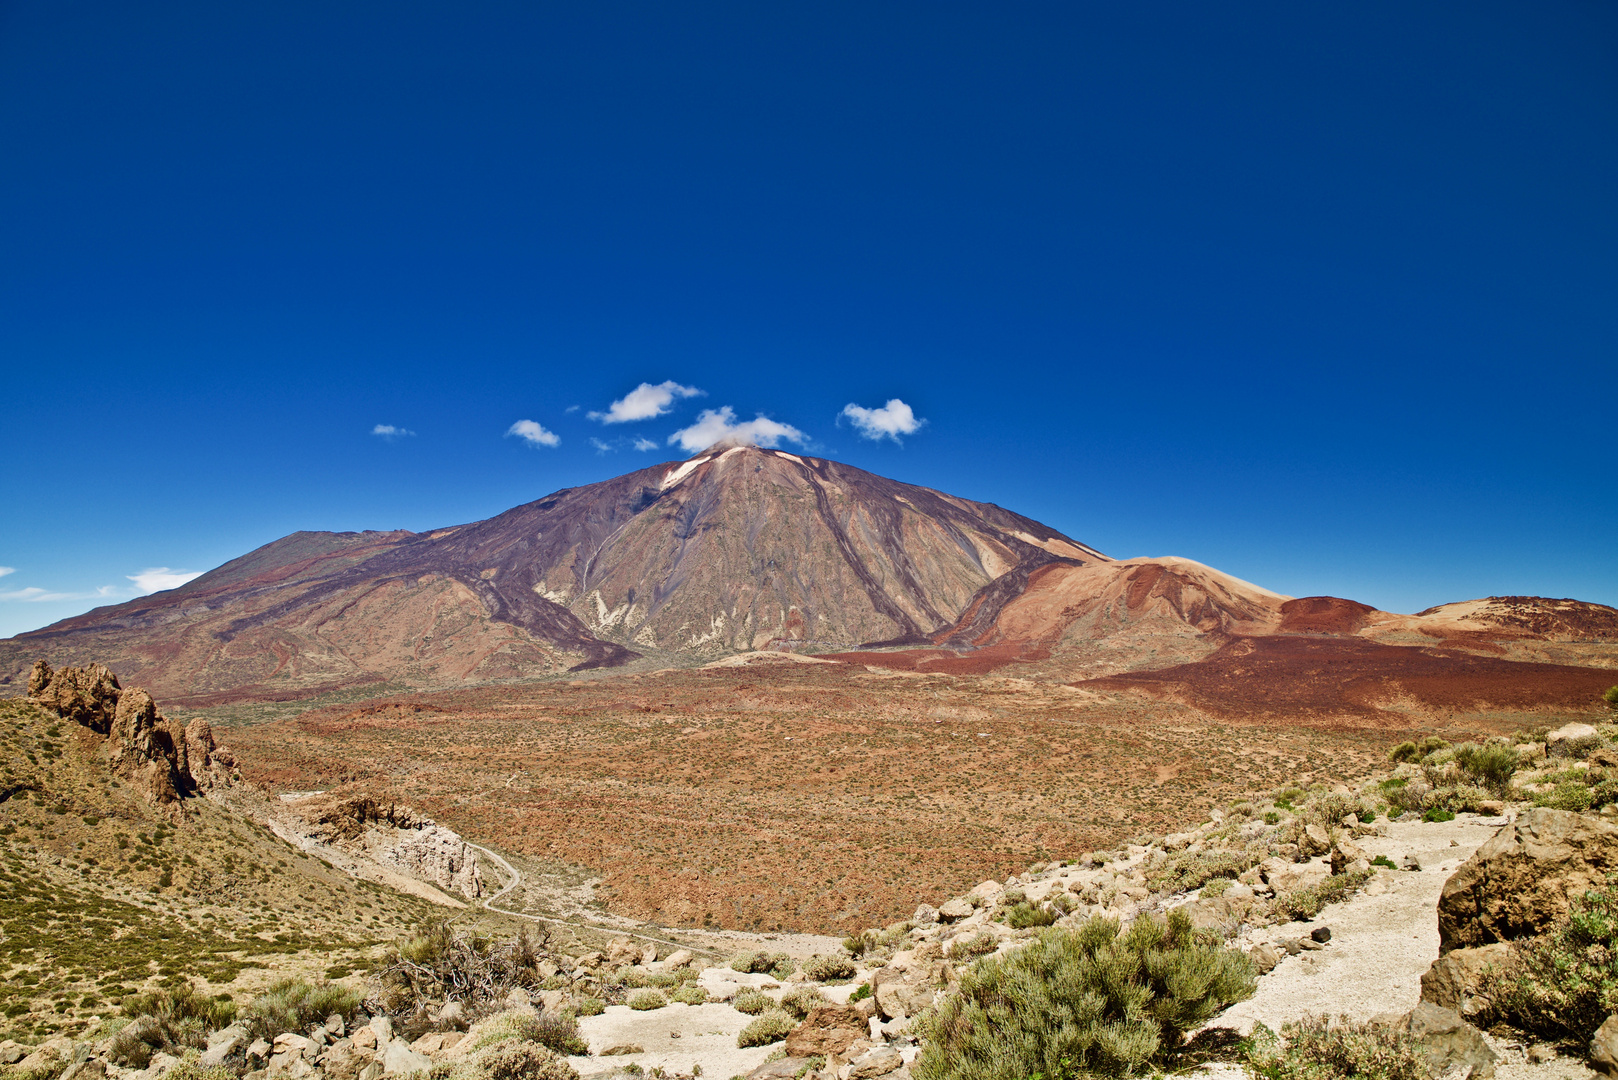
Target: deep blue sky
1323 295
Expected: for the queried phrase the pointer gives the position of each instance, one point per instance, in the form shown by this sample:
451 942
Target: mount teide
734 549
740 549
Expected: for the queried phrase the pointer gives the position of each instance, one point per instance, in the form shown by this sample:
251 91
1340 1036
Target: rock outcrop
161 758
395 836
1523 878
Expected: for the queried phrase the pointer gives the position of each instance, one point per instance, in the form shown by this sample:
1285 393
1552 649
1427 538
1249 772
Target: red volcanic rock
1325 615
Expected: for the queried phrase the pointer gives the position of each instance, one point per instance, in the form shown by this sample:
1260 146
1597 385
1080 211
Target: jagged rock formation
162 758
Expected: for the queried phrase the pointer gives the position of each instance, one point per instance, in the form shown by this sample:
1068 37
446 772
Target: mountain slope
736 548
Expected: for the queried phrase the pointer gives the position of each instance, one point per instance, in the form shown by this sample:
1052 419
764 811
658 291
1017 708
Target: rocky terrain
1411 906
739 549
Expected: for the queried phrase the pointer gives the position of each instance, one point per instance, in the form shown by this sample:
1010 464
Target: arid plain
775 794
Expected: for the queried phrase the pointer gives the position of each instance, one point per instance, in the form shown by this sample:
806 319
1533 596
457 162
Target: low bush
1490 764
1564 983
190 1067
438 964
776 965
1569 795
801 999
1437 813
1579 748
689 994
752 1001
829 968
1432 744
1306 903
1191 870
557 1031
1384 861
1216 888
646 1000
860 993
170 1021
1090 1000
978 945
771 1027
1455 798
1405 751
1313 1049
590 1006
1023 915
521 1061
295 1005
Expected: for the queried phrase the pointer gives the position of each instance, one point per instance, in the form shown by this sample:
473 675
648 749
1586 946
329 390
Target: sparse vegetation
752 1001
646 1000
1314 1049
295 1005
828 968
1563 983
800 1000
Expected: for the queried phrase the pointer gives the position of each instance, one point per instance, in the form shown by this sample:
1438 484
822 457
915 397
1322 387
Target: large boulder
1456 978
1448 1043
827 1030
142 748
1522 879
902 993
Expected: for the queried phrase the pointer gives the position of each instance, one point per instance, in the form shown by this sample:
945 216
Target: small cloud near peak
645 402
533 434
156 579
888 422
719 427
644 444
388 432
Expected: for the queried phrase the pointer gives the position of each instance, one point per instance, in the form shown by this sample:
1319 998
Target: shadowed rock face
736 548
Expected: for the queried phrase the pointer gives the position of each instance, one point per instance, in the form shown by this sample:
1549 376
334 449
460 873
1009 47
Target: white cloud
645 402
720 426
889 422
601 447
158 578
533 434
33 594
4 570
642 443
389 432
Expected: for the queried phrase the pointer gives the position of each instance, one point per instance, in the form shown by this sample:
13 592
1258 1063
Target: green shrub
752 1001
1563 983
629 976
295 1005
776 965
1306 903
1216 888
646 1000
190 1067
1405 751
1611 698
979 944
689 994
1383 860
771 1027
168 1020
1316 1050
1091 1000
1579 748
662 979
860 993
829 968
800 999
558 1031
1432 744
1491 764
1456 798
590 1006
1570 795
1021 916
1437 813
522 1061
1272 817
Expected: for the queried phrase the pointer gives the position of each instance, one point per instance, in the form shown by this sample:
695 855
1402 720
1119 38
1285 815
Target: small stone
1265 957
621 1049
1321 934
1540 1053
877 1061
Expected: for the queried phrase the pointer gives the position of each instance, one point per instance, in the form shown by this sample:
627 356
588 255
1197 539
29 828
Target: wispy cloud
34 595
534 434
158 578
645 402
602 447
889 422
4 570
720 426
643 444
389 433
